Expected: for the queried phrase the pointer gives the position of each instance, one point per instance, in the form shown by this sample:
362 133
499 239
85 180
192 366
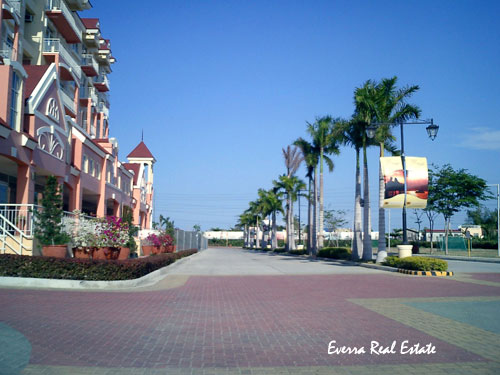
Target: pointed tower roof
142 152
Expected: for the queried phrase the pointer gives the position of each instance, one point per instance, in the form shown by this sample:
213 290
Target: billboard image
417 180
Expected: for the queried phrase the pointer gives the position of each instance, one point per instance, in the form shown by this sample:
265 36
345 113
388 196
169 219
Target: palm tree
390 108
291 186
311 158
245 220
255 211
271 205
326 140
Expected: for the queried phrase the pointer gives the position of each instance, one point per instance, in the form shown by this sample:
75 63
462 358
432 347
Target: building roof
91 23
141 151
133 167
35 74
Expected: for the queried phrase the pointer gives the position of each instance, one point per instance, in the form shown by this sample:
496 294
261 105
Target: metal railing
186 240
89 60
87 92
102 79
67 98
54 45
8 53
73 19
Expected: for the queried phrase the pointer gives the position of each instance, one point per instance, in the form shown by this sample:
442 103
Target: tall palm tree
365 104
327 142
291 186
245 220
311 158
255 211
271 205
391 108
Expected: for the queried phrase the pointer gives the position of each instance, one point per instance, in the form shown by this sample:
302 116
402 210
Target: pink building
54 118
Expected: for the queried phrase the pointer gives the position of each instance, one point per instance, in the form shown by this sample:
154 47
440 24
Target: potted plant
151 244
84 234
112 236
49 230
133 230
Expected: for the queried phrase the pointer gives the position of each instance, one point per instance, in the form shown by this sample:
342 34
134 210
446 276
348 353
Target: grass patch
417 263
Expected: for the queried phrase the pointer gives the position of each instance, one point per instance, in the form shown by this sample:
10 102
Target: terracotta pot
106 253
147 250
83 252
157 250
170 248
56 251
124 253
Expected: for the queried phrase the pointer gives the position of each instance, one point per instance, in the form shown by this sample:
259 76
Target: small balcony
79 4
89 65
101 83
104 108
87 93
11 9
67 22
8 53
52 46
91 38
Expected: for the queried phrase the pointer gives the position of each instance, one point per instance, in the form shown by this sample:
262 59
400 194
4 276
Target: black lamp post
432 131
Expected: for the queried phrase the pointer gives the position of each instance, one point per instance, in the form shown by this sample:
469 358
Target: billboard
417 180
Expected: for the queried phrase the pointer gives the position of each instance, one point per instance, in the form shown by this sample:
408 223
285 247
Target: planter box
107 253
56 251
83 253
124 253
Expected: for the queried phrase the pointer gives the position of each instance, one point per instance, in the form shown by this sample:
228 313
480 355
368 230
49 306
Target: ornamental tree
453 190
49 229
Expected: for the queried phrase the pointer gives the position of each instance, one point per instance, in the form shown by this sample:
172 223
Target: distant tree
335 219
216 229
418 216
486 218
197 228
455 190
430 209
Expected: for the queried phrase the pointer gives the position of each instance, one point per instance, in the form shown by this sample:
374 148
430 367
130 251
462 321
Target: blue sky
220 87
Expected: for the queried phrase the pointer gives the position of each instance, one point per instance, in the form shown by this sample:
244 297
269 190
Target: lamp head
370 131
432 130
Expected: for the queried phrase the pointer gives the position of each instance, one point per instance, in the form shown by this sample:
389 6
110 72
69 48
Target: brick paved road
235 321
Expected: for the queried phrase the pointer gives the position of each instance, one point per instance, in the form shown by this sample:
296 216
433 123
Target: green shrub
417 263
279 250
298 252
85 269
335 253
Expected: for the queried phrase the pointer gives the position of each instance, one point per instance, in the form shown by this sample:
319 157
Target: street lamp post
432 131
498 216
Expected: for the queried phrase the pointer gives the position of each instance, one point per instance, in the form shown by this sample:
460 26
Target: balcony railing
54 45
101 82
90 65
71 20
8 53
87 92
103 107
67 98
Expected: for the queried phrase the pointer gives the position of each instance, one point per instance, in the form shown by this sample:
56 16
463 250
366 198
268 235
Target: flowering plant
83 231
112 232
162 239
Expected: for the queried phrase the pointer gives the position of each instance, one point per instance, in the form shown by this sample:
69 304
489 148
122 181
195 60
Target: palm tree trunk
292 227
314 236
321 201
245 236
446 234
367 238
257 244
263 242
274 240
287 242
309 221
382 251
357 246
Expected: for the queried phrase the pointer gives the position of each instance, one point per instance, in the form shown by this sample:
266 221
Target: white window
85 164
14 103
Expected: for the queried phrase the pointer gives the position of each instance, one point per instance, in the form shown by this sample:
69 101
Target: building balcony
89 65
8 53
103 107
101 83
67 22
79 4
54 46
11 9
91 38
87 93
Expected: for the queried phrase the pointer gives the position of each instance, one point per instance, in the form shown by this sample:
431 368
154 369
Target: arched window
14 100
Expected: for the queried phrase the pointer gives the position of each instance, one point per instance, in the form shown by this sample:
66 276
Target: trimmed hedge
85 269
417 263
335 253
298 252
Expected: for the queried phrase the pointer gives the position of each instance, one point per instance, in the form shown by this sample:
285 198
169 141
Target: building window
85 164
14 103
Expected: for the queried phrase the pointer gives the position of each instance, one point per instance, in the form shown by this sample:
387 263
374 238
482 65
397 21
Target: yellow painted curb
425 273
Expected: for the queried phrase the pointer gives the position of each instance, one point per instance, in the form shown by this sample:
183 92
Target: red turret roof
141 151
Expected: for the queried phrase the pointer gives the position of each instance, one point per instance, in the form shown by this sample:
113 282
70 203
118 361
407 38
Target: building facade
54 114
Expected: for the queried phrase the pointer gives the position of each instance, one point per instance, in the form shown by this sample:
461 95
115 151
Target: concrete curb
425 273
463 259
147 280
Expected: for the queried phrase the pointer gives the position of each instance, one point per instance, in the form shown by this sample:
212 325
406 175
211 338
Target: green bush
279 250
298 252
417 263
335 253
85 269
